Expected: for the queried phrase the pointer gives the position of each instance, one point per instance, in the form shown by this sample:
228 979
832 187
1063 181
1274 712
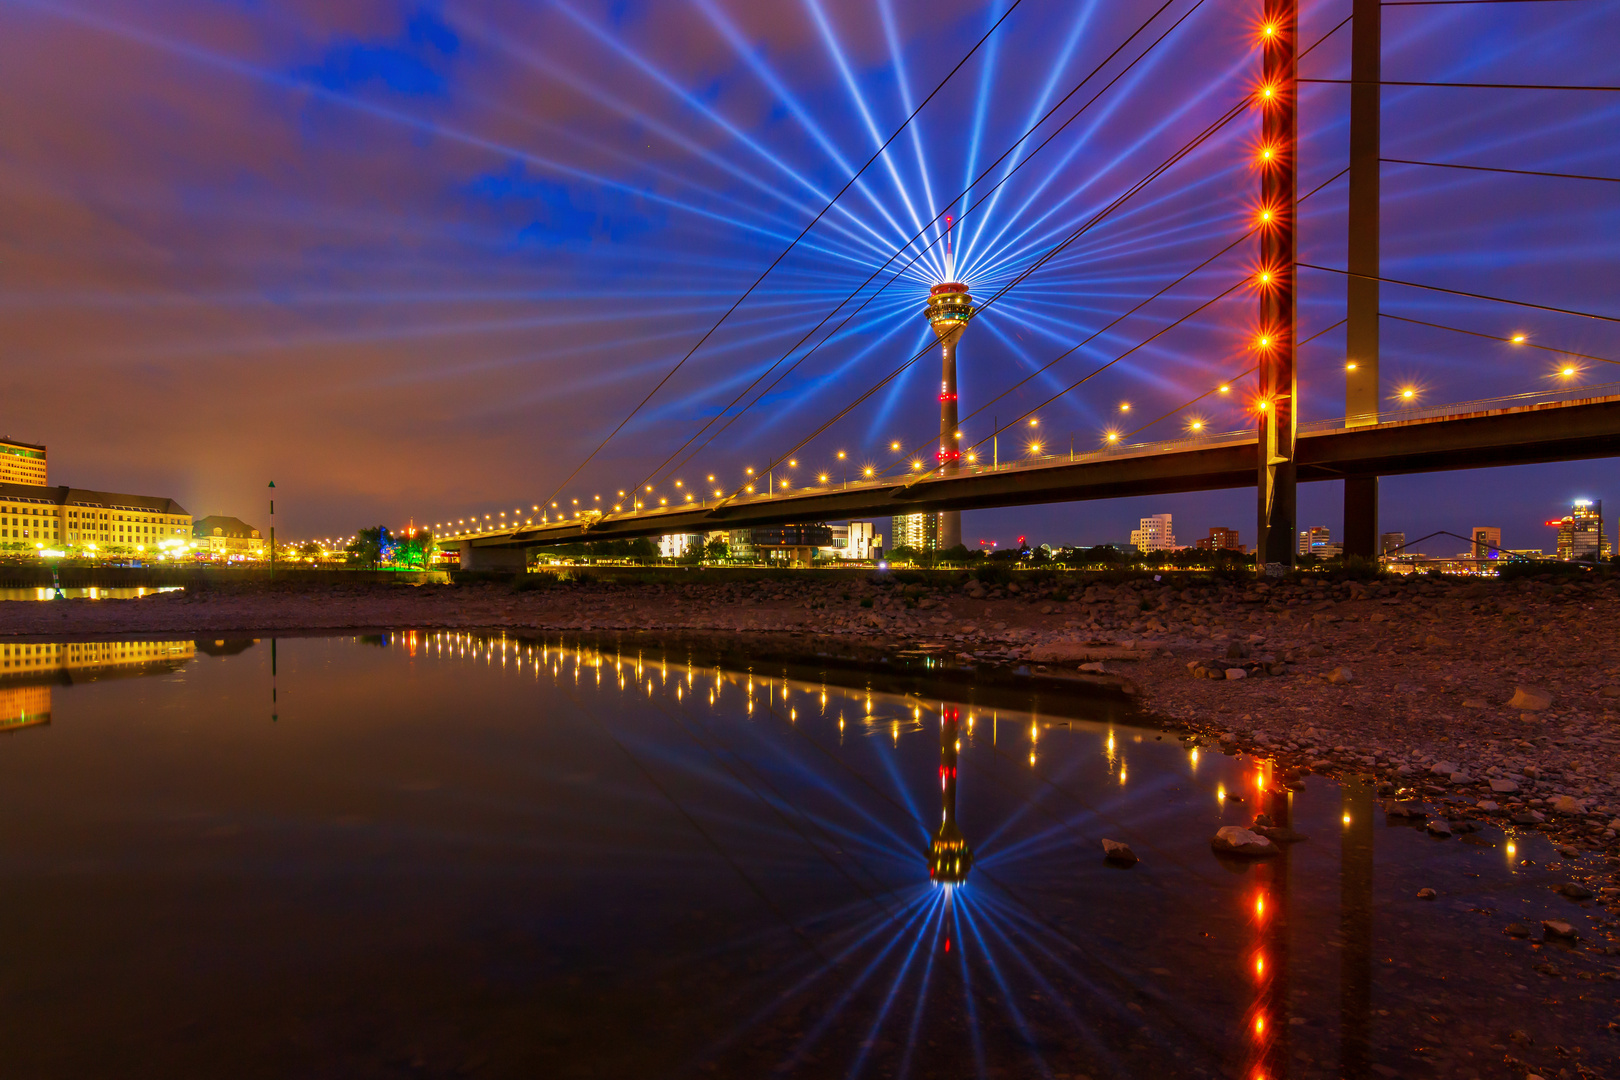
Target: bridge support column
509 560
1279 195
1362 391
1361 516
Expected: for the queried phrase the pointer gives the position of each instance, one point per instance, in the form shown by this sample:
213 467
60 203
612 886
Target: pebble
1118 853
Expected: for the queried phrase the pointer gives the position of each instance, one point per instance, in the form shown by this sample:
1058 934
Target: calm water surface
444 855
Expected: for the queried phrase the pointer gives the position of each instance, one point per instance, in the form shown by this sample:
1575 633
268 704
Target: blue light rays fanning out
546 205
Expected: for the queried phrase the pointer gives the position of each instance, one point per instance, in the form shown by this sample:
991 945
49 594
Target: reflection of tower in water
949 858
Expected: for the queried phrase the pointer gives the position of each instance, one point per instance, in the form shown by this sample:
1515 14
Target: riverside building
21 463
227 539
66 520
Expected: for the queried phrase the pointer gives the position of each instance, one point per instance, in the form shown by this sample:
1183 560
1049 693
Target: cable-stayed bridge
1530 429
1387 428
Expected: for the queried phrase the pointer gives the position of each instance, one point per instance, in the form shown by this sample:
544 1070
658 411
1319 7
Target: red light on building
1553 524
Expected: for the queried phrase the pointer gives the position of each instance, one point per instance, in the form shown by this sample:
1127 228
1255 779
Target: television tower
949 309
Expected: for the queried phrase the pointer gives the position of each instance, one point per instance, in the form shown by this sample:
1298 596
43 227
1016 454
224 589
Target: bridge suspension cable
785 251
1499 169
1462 85
1459 292
1518 339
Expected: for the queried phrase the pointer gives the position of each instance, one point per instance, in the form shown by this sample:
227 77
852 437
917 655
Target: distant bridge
1523 429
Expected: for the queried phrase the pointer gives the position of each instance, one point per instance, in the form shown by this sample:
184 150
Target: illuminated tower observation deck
949 309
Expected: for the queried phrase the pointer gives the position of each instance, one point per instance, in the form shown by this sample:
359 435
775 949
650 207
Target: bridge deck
1520 430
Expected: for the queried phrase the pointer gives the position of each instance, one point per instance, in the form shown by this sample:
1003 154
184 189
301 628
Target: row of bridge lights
684 494
1111 436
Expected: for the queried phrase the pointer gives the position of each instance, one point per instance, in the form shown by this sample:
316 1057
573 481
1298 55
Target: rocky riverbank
1487 698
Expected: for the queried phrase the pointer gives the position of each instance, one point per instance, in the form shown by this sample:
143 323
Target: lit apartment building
1392 544
919 532
1155 534
1221 538
21 463
33 517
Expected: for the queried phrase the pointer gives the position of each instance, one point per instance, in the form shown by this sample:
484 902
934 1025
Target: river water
423 854
87 593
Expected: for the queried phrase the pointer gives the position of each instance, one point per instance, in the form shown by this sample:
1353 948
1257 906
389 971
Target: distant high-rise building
21 463
1487 541
1392 543
920 532
1314 539
1580 533
1155 534
1221 538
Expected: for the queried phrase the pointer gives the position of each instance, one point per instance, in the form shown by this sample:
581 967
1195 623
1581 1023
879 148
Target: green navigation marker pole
272 532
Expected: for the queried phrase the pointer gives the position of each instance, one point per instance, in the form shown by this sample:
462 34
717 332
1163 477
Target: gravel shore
1489 699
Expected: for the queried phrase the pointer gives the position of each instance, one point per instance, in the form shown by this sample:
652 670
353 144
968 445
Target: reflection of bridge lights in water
981 951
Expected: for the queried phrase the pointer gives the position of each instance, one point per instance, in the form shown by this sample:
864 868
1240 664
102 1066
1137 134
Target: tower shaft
949 309
950 457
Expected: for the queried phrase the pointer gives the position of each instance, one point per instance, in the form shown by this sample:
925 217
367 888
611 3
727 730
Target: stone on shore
1530 699
1566 804
1236 840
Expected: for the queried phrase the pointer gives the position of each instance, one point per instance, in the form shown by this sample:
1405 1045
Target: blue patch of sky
546 213
414 62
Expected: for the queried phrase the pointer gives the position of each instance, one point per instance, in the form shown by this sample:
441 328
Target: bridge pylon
1279 197
1362 392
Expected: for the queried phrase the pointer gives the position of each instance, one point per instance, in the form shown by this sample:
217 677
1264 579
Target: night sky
416 260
